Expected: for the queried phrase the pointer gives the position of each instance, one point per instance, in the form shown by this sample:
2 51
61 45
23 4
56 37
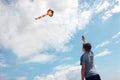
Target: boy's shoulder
84 55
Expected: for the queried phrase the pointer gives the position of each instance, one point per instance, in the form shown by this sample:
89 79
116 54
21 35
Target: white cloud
66 59
41 58
62 67
106 15
84 18
104 53
116 35
117 42
62 72
22 78
26 37
110 11
116 8
102 6
115 39
102 44
2 64
3 77
2 61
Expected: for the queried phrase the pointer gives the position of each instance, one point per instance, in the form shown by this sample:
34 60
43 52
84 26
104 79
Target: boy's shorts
95 77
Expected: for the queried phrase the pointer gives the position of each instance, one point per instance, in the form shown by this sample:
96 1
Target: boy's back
87 59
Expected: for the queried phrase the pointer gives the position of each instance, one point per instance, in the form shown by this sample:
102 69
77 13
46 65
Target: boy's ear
83 49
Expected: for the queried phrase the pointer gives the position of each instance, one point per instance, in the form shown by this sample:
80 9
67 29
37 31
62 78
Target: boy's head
87 47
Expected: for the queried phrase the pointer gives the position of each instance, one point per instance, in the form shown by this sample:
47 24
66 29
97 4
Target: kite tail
41 16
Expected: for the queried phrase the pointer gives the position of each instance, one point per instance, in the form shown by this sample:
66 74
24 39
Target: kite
49 13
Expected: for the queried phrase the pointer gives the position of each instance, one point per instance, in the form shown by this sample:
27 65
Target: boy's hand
83 39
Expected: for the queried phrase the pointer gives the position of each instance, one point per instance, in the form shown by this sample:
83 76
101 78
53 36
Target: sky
50 48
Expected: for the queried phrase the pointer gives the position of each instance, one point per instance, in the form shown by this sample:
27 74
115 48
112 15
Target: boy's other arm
83 72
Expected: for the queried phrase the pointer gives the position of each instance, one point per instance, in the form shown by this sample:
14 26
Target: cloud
116 35
26 37
62 72
66 59
116 8
2 61
2 64
112 9
22 78
4 77
104 53
107 15
117 42
102 44
41 58
114 39
102 6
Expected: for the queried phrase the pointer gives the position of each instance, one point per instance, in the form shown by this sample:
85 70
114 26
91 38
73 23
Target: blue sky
50 48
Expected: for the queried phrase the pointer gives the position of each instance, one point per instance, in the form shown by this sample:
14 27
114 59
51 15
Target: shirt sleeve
83 60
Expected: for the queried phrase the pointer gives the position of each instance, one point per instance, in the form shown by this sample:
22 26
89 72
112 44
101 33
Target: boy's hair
87 46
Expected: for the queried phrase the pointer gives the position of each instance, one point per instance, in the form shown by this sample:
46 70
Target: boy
88 70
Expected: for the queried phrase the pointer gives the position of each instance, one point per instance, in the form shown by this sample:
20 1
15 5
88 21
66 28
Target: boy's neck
86 52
